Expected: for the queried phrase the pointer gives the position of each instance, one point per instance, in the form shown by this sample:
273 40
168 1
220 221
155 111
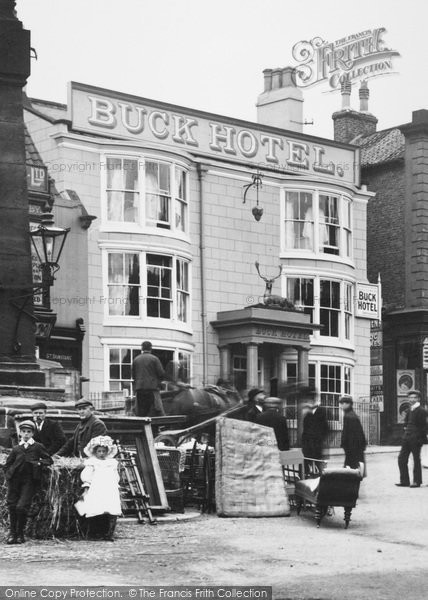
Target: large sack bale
249 478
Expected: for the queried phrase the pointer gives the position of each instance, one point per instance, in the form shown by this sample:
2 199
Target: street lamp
48 241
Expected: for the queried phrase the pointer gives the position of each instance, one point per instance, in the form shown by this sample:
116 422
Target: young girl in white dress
100 479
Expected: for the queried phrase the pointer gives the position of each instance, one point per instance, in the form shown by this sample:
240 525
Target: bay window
149 193
120 359
329 302
147 285
335 381
318 222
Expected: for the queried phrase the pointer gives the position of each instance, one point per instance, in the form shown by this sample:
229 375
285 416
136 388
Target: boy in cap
89 427
23 469
48 432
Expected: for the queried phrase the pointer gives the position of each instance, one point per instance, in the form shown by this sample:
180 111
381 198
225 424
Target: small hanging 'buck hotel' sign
368 302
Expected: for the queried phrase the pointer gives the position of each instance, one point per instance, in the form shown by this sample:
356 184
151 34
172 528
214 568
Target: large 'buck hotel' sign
117 115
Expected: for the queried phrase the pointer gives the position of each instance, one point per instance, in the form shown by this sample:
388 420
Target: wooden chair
323 488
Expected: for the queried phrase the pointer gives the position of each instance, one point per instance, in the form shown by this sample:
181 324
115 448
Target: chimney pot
276 78
267 74
364 94
345 90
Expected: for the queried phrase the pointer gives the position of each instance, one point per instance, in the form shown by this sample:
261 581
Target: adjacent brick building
394 165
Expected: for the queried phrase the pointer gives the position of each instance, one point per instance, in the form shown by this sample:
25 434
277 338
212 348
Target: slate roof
32 156
380 147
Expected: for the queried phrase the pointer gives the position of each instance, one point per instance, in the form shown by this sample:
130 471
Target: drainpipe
202 170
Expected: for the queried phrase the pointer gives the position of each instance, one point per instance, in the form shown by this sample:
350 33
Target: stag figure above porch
273 300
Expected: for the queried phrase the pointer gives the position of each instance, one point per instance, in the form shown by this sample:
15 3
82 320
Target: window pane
115 267
298 220
114 371
164 178
114 173
114 355
130 207
130 168
114 206
152 177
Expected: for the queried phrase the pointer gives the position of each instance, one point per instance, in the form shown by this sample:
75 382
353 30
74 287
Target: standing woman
353 441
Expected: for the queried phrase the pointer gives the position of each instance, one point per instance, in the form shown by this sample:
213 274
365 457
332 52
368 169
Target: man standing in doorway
148 373
415 435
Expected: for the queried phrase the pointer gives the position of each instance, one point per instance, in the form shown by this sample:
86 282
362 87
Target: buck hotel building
171 254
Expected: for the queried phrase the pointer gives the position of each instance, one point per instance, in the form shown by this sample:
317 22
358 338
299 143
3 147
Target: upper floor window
122 190
327 301
317 222
146 192
300 291
299 221
120 361
329 307
123 284
329 224
150 285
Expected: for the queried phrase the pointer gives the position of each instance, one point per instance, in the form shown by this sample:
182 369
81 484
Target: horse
199 404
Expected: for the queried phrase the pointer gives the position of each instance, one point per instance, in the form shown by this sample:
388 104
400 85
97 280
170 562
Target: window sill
333 343
307 254
134 228
139 322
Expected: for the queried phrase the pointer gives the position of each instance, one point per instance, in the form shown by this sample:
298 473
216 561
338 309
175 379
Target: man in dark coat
48 432
23 471
415 435
353 439
254 404
89 427
315 431
271 417
148 374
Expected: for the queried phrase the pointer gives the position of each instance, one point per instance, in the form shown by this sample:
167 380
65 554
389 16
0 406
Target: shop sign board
121 116
368 300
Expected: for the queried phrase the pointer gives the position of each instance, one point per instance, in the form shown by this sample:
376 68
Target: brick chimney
281 103
349 123
416 209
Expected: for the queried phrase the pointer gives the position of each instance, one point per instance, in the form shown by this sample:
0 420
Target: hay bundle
52 513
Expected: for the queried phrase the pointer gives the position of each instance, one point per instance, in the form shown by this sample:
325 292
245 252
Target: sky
210 55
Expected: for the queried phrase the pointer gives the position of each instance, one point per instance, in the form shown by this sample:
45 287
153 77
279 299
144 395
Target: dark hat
146 346
28 423
253 392
83 402
272 402
346 400
39 406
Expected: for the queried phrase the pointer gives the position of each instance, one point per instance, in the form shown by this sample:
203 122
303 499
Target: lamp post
48 242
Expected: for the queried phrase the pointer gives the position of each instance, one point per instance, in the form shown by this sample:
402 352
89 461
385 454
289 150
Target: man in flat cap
48 432
89 427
